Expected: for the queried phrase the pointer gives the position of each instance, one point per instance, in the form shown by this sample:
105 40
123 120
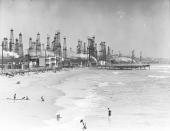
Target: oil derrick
16 46
38 43
94 47
11 43
79 47
120 54
48 42
95 51
108 53
91 47
5 44
133 56
56 44
64 48
102 51
84 48
112 52
30 43
54 47
140 56
21 52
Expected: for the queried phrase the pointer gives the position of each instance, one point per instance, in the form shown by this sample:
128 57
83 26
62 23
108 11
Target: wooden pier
124 66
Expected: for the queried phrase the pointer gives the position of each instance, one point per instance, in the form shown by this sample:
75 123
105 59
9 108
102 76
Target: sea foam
103 84
159 77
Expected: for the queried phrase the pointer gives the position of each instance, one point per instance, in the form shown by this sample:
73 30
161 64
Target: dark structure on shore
53 54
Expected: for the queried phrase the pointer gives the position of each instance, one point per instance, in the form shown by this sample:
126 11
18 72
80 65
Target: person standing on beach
84 124
14 97
58 117
42 99
109 113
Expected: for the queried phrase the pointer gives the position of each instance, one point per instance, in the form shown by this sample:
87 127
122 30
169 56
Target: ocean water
138 99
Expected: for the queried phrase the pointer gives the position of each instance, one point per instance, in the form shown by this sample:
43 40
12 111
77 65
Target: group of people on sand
26 98
84 126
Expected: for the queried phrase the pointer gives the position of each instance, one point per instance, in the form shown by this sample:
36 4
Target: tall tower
16 46
5 46
140 56
133 55
112 52
21 52
38 37
91 46
11 43
48 42
103 51
30 43
57 44
108 51
38 43
119 54
79 47
64 49
84 48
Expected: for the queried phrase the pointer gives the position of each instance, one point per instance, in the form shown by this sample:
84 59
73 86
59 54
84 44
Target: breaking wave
116 73
102 84
160 77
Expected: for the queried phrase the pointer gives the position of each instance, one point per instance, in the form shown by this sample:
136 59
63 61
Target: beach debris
84 124
58 117
18 82
42 99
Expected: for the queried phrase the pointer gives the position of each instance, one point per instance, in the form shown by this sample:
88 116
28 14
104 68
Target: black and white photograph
84 65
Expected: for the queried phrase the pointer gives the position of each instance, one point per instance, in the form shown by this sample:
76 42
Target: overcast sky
142 25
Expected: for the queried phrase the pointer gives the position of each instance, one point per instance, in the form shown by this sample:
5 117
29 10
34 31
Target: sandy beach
85 94
25 114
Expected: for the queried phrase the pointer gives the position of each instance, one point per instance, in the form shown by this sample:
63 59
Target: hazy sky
143 25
